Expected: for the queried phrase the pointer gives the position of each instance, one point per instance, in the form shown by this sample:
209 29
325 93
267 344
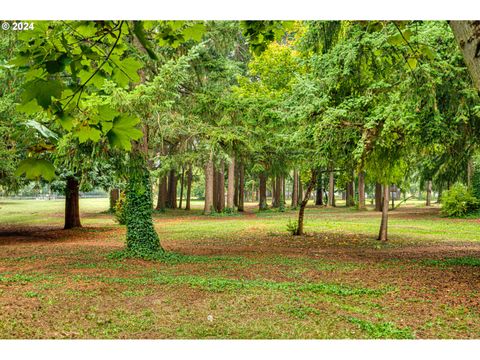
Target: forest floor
240 276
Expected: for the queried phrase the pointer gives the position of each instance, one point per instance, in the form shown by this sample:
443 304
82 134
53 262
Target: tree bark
114 196
182 181
361 190
304 202
382 235
220 187
72 207
209 177
172 190
236 184
467 34
469 173
331 190
295 189
350 201
231 185
277 191
189 187
274 193
262 204
300 191
378 197
162 193
241 186
429 193
319 192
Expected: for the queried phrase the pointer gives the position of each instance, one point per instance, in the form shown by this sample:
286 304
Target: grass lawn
240 276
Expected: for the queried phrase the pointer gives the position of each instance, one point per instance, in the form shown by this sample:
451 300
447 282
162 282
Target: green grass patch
459 261
382 330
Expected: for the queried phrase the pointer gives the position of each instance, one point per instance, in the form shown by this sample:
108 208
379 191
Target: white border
240 10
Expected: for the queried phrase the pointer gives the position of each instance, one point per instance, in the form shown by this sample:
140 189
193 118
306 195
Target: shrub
459 201
292 226
119 209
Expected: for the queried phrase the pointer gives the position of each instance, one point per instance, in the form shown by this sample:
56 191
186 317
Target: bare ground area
242 277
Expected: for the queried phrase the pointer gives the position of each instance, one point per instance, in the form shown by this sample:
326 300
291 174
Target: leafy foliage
459 201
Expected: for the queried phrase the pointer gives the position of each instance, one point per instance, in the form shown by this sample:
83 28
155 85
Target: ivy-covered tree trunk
142 239
162 194
361 190
429 193
382 235
467 34
295 189
241 187
209 183
231 185
114 196
189 187
72 206
304 203
262 204
378 197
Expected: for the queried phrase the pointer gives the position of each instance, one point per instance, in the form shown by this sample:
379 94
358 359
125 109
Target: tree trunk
72 207
283 192
189 187
114 196
429 193
209 179
350 200
162 194
295 189
331 190
469 173
220 187
467 34
361 190
274 193
393 198
231 184
319 193
277 192
300 191
241 186
262 204
182 180
378 197
236 183
142 238
172 190
303 204
382 235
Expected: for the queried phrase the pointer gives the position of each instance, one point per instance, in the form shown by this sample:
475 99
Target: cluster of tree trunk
278 191
167 190
215 186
